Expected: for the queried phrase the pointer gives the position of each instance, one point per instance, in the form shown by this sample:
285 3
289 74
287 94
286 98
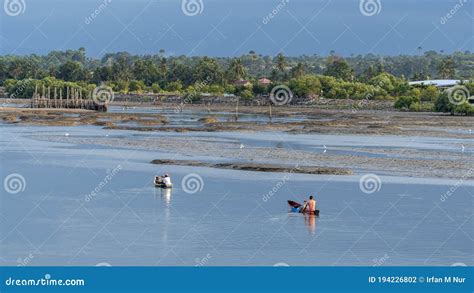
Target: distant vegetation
367 77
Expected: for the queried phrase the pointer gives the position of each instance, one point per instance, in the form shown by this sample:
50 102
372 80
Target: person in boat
167 180
309 206
158 180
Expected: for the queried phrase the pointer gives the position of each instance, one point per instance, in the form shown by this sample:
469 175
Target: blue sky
229 28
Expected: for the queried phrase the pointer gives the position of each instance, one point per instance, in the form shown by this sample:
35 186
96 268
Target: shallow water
232 220
190 117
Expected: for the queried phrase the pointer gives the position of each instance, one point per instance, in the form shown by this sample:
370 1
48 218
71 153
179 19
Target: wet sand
316 121
433 163
257 167
398 161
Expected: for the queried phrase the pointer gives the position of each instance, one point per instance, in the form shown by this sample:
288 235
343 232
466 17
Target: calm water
227 221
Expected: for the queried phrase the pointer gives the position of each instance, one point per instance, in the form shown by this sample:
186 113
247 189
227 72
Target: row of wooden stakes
73 100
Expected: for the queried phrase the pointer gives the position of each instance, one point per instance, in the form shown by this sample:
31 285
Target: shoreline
231 103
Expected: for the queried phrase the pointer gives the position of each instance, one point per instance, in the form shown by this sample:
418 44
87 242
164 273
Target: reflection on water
310 221
166 196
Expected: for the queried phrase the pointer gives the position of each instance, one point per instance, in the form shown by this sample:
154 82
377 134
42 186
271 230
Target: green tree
207 69
236 69
446 68
174 86
298 71
281 63
306 86
155 88
430 94
121 68
136 86
71 71
146 71
405 102
369 73
339 68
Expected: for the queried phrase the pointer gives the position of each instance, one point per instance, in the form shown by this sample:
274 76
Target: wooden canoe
294 204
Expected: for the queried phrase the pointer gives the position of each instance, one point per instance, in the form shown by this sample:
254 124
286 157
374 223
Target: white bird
242 146
325 149
462 148
67 134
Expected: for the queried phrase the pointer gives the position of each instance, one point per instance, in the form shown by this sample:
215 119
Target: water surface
231 220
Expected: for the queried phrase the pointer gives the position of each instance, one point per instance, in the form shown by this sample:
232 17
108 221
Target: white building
439 83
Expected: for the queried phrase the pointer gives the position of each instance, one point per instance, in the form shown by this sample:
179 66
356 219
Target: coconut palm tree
237 69
281 62
298 70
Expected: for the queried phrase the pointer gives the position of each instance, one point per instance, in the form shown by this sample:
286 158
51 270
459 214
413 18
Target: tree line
356 77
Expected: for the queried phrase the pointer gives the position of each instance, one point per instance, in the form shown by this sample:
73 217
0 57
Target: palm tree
419 49
281 62
298 70
163 65
237 69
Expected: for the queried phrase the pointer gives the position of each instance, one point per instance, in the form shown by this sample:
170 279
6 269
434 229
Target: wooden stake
237 111
270 105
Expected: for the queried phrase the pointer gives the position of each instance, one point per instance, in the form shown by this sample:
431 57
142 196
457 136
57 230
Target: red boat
296 205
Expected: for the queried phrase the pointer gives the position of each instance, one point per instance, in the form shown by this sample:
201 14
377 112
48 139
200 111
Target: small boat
159 183
162 185
296 208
